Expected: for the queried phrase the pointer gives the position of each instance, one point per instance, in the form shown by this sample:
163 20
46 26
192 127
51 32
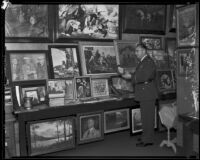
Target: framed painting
50 135
90 127
98 58
187 25
87 21
27 65
28 23
100 87
116 120
144 19
125 52
165 80
186 61
154 43
83 87
64 61
172 18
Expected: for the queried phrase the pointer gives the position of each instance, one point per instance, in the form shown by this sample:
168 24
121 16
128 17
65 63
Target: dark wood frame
46 120
35 39
133 30
101 123
93 87
76 39
117 129
63 46
148 37
8 53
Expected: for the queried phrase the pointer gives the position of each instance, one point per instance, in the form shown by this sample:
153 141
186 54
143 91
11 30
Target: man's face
140 52
90 123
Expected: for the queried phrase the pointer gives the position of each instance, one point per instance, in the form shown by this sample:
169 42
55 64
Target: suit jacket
145 71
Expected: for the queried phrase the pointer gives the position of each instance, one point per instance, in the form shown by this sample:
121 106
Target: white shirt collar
143 58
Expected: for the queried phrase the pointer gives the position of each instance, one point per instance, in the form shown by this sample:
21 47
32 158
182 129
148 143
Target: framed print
172 18
186 61
69 89
87 22
125 52
154 43
28 23
187 25
165 80
144 19
100 87
116 120
56 88
160 58
64 61
98 58
27 65
136 121
90 127
50 135
83 87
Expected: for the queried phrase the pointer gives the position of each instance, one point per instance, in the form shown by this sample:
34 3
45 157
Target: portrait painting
83 87
56 88
64 61
144 19
88 21
185 61
136 121
28 65
125 52
170 44
98 58
99 87
90 127
165 80
116 120
27 21
154 43
46 136
186 26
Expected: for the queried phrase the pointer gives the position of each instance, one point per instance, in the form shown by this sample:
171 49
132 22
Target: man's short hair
142 45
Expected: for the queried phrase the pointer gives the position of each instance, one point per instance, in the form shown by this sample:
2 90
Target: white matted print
100 87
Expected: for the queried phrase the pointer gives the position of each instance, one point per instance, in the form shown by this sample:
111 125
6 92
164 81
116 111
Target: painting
160 58
64 61
116 120
125 52
154 43
144 19
170 44
136 121
100 87
172 18
186 26
69 89
46 136
98 58
90 127
27 65
56 88
88 21
24 22
185 61
83 87
165 80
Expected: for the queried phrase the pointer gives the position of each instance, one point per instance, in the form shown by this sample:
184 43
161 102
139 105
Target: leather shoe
142 144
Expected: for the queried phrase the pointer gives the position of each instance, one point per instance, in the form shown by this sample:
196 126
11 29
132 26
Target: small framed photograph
50 135
56 88
165 80
33 94
186 61
83 87
125 52
100 87
116 120
187 18
27 65
90 127
98 58
94 22
152 43
64 61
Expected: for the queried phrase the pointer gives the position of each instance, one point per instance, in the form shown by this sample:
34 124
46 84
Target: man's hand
121 70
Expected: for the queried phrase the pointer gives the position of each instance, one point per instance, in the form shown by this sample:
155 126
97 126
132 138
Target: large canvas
100 87
88 21
144 19
98 58
50 135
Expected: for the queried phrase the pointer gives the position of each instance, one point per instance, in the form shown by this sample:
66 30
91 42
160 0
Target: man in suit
146 92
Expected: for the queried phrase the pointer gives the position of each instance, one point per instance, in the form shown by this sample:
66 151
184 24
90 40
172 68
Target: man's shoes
142 144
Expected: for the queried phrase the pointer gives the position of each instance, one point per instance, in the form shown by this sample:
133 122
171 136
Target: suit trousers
147 118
